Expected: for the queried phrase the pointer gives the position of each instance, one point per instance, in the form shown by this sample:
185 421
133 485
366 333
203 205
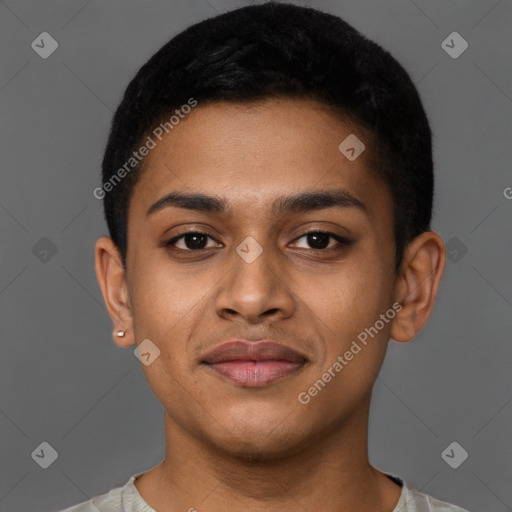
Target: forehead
253 153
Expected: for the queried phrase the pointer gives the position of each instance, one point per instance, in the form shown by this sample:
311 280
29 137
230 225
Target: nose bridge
252 265
254 286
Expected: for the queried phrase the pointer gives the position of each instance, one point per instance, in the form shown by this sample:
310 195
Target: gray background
62 379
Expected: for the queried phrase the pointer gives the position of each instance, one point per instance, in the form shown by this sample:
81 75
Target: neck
328 471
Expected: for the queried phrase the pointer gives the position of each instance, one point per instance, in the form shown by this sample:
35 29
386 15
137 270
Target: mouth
253 364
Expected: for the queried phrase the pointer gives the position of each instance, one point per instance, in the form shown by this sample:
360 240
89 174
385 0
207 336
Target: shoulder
412 500
416 501
120 499
109 502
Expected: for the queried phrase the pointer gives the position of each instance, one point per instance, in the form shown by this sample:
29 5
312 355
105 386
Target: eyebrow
298 203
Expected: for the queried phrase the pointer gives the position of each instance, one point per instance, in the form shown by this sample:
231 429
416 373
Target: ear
417 284
112 281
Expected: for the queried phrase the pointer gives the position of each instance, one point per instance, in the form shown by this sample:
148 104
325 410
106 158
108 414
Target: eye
195 241
191 241
320 240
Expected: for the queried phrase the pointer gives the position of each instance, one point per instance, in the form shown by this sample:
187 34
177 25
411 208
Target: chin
259 450
259 441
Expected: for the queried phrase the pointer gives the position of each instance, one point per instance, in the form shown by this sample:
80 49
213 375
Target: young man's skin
232 447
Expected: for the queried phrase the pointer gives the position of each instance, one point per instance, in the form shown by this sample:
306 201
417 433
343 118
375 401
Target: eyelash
342 242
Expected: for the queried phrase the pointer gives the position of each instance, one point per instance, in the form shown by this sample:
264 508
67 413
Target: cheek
349 304
163 293
349 308
349 299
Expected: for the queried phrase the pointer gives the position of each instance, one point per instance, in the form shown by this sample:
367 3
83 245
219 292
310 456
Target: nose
255 291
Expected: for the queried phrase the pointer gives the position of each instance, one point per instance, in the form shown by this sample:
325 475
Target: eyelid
342 240
173 240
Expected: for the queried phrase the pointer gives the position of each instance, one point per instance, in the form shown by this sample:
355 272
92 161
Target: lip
253 363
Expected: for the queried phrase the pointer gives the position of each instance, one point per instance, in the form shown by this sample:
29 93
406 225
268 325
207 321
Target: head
247 119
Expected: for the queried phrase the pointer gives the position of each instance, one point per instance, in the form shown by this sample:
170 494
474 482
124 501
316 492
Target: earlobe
112 281
416 287
402 329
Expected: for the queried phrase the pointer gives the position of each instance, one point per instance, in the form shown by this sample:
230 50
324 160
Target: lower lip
255 374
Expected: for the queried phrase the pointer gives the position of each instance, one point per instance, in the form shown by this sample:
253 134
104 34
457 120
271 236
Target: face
268 259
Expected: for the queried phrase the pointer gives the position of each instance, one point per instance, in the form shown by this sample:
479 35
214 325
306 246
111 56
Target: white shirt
128 499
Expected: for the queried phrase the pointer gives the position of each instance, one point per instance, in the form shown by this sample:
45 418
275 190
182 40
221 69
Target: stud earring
121 333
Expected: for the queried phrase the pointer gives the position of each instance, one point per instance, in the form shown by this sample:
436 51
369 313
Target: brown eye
190 241
321 240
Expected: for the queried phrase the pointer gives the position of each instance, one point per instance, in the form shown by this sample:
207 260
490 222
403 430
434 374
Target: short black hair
276 50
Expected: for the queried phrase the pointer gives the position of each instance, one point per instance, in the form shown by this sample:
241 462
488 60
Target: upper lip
243 350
